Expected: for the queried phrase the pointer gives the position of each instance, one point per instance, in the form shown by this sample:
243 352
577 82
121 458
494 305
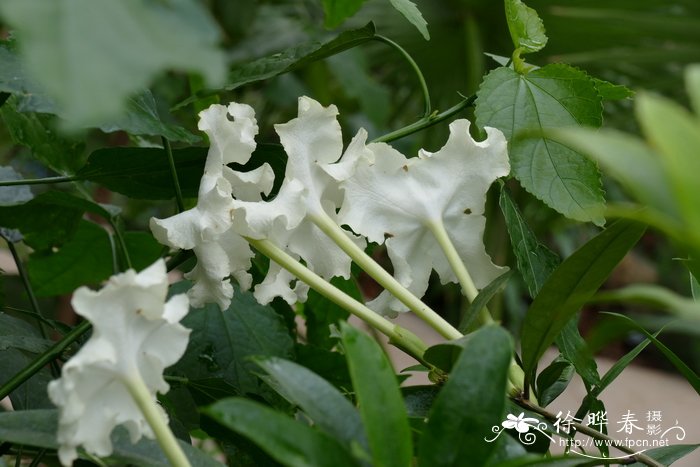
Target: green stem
173 174
386 280
427 122
40 181
48 356
588 431
122 243
416 69
141 395
398 336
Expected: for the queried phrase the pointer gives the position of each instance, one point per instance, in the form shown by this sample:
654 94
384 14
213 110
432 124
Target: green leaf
381 405
143 249
84 259
535 261
574 348
14 80
222 342
553 380
289 442
471 402
142 118
338 10
37 132
144 173
13 195
656 296
684 369
692 84
411 12
321 313
327 408
668 454
481 300
525 26
612 92
39 427
69 48
571 285
552 96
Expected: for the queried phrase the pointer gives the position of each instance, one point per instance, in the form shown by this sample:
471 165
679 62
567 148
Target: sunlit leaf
525 26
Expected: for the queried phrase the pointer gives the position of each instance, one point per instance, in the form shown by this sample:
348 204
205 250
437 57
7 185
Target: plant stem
416 70
426 122
142 396
48 356
457 265
588 431
122 243
40 181
386 280
173 174
27 285
398 336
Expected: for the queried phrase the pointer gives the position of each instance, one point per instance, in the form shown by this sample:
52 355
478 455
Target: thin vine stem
426 122
588 431
416 69
173 174
41 181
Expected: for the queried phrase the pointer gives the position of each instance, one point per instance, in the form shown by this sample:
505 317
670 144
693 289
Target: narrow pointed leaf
378 395
471 402
289 442
571 285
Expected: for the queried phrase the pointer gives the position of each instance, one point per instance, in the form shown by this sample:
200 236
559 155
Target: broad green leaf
571 285
675 134
574 348
222 342
381 405
144 173
37 132
142 118
471 402
14 358
525 26
84 259
321 314
445 354
411 12
684 369
656 296
612 92
481 300
626 158
13 195
553 380
143 249
327 408
69 48
289 442
552 96
38 428
338 10
535 261
419 399
668 454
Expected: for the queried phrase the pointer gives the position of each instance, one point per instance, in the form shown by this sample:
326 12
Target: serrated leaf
612 92
571 285
39 427
222 342
381 405
69 49
411 12
327 408
535 261
551 97
84 259
338 10
287 441
525 26
471 402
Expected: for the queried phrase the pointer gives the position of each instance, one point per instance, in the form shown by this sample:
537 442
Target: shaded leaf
481 300
471 402
289 442
338 10
612 92
552 96
571 285
15 80
652 295
39 427
381 405
553 380
68 48
668 454
574 349
321 313
411 12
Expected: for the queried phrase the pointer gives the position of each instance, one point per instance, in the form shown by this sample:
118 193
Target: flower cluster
370 187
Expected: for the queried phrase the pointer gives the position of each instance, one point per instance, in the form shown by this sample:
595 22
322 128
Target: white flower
402 200
521 423
314 145
136 335
206 228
